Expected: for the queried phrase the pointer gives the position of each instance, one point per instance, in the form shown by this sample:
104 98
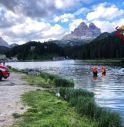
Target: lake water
108 90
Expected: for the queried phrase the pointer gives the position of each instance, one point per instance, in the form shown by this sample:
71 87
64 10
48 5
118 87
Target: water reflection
108 89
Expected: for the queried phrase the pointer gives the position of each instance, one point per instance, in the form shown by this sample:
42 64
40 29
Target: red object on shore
4 72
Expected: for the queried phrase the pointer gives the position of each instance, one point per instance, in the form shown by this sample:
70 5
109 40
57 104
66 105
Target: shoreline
114 116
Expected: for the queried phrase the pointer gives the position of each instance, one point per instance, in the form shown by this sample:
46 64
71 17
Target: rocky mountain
3 43
84 32
102 36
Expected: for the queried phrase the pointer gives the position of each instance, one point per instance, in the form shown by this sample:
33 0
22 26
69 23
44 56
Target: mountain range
3 43
82 34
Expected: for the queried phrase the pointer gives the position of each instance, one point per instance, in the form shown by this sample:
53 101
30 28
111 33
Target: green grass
47 110
84 103
48 81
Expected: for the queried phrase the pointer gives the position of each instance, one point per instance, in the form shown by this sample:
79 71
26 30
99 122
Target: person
103 70
94 71
3 62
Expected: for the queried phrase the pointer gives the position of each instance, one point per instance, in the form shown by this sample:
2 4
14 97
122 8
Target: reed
85 105
56 80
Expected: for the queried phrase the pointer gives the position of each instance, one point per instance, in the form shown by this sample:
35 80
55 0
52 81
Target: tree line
108 47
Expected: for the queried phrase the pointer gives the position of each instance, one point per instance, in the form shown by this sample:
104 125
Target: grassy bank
47 110
46 80
84 104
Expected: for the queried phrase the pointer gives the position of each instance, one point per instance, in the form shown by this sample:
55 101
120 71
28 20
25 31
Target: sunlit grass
47 110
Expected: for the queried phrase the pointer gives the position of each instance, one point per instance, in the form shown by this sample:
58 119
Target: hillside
3 49
107 45
35 51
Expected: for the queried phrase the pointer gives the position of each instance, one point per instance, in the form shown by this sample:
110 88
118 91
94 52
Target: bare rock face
3 42
84 32
94 30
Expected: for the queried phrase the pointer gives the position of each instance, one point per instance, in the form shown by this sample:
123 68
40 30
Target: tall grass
47 110
56 80
48 80
84 103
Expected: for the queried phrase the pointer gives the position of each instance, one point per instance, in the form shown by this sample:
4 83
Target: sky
42 20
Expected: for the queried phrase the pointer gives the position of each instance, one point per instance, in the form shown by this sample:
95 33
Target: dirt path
10 101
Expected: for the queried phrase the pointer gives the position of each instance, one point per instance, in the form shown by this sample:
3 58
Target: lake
108 90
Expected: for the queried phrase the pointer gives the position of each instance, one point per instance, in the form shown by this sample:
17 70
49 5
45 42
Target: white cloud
81 11
105 11
64 18
16 28
62 4
29 26
69 17
32 30
108 26
8 17
55 31
105 26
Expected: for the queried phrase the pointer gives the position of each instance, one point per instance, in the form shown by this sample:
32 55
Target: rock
83 31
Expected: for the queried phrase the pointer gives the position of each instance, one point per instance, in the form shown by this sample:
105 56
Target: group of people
95 71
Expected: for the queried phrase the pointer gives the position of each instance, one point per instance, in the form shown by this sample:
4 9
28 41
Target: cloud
8 18
29 26
41 8
81 11
38 8
63 4
24 20
64 18
104 11
69 17
105 26
32 30
108 26
57 30
32 8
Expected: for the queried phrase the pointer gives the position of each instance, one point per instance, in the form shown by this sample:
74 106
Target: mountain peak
83 25
3 42
92 25
83 31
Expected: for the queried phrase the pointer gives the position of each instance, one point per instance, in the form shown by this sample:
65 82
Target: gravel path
10 101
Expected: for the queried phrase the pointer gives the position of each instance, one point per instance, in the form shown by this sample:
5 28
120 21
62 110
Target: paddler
94 71
103 69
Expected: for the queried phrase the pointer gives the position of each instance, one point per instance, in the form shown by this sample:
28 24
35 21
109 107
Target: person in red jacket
103 69
94 71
